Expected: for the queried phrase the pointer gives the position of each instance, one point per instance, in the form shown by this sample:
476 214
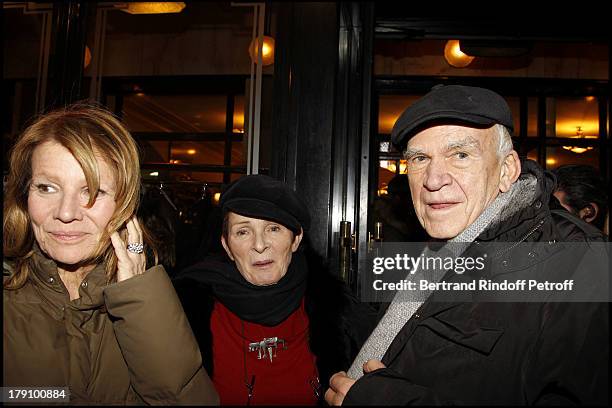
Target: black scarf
266 305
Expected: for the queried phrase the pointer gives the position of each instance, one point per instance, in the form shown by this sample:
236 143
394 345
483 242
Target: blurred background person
160 219
396 212
271 323
582 191
81 309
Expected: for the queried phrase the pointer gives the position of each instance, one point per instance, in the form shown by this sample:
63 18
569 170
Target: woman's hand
129 263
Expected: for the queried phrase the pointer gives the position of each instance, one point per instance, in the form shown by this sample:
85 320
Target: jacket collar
528 206
46 278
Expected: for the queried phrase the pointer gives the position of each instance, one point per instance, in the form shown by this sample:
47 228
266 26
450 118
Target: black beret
260 196
454 103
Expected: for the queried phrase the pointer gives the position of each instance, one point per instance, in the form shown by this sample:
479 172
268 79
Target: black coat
338 322
507 353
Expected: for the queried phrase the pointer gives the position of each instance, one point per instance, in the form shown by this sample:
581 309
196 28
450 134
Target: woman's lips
67 236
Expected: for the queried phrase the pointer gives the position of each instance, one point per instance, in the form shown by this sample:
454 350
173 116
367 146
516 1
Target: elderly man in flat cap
470 188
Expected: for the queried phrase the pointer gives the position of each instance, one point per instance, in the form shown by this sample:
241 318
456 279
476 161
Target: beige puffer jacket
123 343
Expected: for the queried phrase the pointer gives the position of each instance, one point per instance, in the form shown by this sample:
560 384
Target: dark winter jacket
509 353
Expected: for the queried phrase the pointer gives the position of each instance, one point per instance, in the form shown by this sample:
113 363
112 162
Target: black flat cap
260 196
468 105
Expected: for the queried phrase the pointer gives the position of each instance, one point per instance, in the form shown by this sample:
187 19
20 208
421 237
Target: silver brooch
267 347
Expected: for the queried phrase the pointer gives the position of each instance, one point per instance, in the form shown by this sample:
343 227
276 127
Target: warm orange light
392 166
87 58
239 120
580 134
577 149
386 122
403 167
454 56
382 191
152 7
587 129
589 98
216 198
191 151
267 50
551 161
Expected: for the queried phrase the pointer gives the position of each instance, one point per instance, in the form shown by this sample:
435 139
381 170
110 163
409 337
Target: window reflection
238 120
557 156
384 176
532 117
514 103
197 152
175 113
239 153
573 117
155 151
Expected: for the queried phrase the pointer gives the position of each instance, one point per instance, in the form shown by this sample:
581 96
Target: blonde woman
81 309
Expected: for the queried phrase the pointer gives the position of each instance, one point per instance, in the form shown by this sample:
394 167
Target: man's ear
296 240
510 171
226 247
589 213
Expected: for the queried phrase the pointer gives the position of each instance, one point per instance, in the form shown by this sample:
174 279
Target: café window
183 136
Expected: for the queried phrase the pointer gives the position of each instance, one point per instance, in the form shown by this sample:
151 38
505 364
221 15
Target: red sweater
289 379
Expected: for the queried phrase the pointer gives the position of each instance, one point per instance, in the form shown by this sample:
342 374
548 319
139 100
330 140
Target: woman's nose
70 207
261 242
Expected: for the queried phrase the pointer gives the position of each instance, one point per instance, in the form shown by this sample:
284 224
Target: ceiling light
454 56
151 7
267 50
578 149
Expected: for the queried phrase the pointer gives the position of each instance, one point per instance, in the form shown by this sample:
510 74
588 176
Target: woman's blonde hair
88 132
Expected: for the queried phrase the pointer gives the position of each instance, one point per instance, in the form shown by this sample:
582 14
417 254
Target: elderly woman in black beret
271 329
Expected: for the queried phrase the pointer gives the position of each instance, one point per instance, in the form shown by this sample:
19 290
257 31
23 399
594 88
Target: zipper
248 385
250 389
510 248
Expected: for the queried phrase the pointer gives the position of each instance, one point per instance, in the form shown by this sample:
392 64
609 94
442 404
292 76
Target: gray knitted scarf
404 304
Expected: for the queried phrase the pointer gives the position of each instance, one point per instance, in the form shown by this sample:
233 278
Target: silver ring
136 248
